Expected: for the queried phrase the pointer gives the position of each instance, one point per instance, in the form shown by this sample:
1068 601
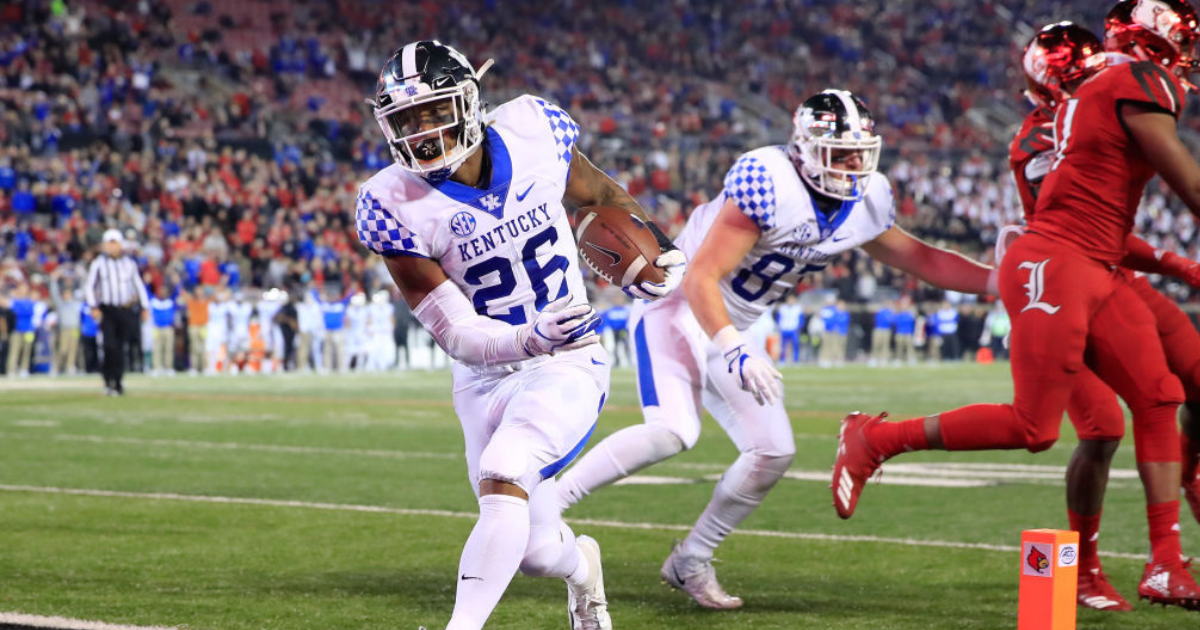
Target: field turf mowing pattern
151 554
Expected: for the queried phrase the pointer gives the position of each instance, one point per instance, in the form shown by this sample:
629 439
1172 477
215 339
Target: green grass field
348 505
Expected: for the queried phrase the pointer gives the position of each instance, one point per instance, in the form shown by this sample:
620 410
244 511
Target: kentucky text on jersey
513 228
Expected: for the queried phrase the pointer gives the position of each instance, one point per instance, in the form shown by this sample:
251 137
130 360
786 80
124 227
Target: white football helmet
828 127
425 83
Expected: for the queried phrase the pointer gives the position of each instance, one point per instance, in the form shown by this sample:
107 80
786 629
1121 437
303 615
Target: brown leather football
617 246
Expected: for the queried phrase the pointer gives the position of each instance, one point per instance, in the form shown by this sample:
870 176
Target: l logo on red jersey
1036 286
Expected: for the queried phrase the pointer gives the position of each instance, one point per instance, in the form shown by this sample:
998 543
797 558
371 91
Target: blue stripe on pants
645 371
553 469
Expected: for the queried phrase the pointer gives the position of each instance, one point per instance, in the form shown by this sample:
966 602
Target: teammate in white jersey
785 211
357 315
471 223
267 308
381 323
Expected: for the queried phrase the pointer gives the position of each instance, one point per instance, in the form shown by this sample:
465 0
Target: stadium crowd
226 140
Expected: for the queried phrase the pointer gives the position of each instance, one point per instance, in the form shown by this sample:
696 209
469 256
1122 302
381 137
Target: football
617 246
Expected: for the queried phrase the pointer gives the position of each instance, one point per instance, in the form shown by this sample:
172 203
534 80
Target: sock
489 559
551 550
1088 527
981 428
1164 532
893 438
616 457
738 493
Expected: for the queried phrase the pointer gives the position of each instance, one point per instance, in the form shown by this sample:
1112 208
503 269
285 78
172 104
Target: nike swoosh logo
595 362
838 240
467 577
521 196
616 258
677 576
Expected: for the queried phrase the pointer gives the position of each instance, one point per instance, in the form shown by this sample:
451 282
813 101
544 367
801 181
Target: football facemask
427 104
830 130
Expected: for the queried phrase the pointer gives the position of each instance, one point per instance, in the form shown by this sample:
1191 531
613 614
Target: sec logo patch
462 224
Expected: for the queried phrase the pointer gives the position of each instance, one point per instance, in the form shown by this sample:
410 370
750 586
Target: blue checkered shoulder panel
750 186
381 233
565 130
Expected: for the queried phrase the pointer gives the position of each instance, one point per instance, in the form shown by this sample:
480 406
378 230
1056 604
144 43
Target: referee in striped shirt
114 288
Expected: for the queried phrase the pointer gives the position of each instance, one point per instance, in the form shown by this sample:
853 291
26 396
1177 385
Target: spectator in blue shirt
905 324
27 312
837 326
944 340
334 347
791 322
23 201
616 320
881 335
163 308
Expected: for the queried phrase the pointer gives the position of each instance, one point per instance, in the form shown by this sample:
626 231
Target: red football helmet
1163 31
1058 59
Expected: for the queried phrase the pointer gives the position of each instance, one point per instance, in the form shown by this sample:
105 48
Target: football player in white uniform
382 321
785 211
471 222
357 316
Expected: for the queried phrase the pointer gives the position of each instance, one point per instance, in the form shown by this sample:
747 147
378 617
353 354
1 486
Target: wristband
728 339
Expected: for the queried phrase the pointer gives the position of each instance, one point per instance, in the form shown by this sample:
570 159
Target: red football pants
1069 313
1180 340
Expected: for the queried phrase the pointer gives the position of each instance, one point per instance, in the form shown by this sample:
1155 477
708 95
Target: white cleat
586 606
696 577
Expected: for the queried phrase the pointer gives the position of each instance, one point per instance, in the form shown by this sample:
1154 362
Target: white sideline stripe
376 509
239 446
38 621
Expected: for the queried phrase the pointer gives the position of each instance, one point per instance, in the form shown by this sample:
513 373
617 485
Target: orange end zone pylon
1049 579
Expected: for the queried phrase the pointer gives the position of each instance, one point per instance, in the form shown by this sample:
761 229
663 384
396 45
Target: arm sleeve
467 336
90 287
1141 256
750 186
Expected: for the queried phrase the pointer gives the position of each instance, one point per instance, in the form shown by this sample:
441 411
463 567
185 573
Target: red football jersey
1035 138
1090 198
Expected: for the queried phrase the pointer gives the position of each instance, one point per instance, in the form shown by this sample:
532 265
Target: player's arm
590 186
478 340
1144 257
728 242
1153 129
940 267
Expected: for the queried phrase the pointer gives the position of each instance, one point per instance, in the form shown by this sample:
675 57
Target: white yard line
237 446
63 623
376 509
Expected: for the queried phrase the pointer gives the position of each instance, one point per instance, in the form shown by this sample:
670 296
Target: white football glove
559 327
754 375
674 264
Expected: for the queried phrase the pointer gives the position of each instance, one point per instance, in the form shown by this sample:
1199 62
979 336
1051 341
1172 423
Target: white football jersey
356 319
239 318
508 247
796 237
381 319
